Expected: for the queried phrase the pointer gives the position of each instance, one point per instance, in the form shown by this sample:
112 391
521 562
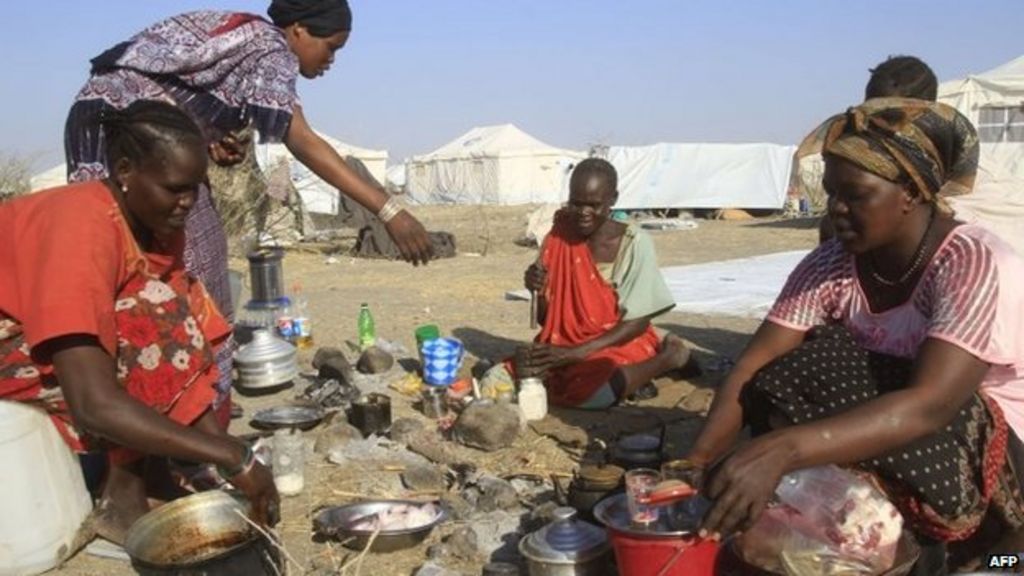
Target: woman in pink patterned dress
897 348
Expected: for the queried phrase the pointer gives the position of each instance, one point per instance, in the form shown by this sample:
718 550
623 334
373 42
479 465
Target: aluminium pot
567 547
266 363
204 534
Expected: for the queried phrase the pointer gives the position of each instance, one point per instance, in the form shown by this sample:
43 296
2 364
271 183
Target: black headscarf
321 17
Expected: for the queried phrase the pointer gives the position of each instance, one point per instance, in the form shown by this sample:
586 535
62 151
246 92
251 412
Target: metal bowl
205 533
301 417
336 522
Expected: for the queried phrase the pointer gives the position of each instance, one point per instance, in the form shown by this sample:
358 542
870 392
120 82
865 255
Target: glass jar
289 462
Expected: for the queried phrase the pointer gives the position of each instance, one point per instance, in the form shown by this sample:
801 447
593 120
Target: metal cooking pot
265 363
567 547
266 276
637 451
204 534
589 485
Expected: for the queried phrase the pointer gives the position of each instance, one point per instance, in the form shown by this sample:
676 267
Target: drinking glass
639 484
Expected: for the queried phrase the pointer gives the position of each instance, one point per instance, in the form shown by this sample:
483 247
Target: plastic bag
826 521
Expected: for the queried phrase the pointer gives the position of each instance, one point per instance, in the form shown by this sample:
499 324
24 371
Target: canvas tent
994 101
50 178
318 196
396 177
702 175
491 165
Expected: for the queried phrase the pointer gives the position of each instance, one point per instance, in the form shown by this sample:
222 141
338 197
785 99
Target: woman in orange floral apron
100 325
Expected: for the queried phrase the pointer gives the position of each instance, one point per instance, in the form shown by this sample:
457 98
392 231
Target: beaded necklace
915 262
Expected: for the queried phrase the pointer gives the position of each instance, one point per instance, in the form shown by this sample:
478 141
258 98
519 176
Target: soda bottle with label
302 322
285 320
367 332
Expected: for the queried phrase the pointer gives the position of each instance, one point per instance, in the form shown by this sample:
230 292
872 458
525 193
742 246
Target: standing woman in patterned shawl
230 71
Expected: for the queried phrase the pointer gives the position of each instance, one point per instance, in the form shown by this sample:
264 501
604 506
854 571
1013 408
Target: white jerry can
43 499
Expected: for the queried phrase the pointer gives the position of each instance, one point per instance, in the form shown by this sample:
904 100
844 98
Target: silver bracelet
389 210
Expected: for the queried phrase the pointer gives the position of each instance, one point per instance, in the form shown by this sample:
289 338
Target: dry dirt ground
465 296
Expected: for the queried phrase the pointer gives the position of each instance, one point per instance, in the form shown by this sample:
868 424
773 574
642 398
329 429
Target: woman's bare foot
683 364
676 351
122 503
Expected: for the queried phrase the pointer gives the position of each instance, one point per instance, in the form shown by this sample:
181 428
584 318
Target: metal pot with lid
590 484
637 451
566 546
266 362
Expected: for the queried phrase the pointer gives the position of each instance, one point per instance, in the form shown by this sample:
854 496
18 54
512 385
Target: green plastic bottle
367 332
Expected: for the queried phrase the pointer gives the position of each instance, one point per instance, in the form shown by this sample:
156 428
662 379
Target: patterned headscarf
929 144
321 17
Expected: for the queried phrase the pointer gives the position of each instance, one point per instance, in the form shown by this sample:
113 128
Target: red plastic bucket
663 556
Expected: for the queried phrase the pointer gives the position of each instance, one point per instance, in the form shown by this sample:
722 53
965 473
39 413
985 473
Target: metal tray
301 417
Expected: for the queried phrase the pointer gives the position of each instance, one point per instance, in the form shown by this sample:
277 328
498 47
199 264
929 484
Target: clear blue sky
416 74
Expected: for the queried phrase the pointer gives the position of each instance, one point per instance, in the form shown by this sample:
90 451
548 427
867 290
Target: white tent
491 165
50 178
396 176
994 101
318 196
702 175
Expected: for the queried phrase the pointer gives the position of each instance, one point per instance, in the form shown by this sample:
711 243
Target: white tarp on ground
50 178
702 175
745 287
491 165
999 94
318 196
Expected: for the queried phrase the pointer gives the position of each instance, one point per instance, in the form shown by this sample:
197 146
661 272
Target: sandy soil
465 297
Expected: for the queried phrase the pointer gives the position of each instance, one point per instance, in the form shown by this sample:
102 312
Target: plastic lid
600 477
565 540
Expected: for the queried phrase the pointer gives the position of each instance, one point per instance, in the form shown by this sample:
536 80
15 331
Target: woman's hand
257 483
536 277
411 238
742 485
229 150
542 358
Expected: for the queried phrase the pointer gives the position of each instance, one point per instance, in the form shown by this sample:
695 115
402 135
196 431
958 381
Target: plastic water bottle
367 332
302 323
